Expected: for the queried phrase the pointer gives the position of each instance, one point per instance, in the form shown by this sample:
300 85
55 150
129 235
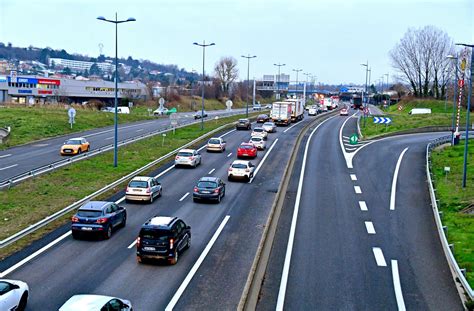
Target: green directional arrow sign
353 139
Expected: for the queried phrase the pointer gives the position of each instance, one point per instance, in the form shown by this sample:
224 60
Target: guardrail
8 183
455 269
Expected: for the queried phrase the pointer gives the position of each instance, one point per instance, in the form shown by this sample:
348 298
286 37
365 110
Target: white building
77 65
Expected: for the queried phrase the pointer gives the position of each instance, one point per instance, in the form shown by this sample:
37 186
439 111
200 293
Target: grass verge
454 200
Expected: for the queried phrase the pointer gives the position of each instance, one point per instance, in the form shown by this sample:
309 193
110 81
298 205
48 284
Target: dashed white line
5 155
357 190
353 177
184 197
229 154
363 206
290 128
397 286
394 181
7 167
211 171
139 130
194 269
379 258
263 160
370 227
133 244
110 138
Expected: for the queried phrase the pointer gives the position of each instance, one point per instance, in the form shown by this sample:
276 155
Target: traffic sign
353 139
382 120
161 101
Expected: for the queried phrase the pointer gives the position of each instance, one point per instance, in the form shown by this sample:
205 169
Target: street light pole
203 45
278 81
455 92
248 57
116 22
366 65
296 89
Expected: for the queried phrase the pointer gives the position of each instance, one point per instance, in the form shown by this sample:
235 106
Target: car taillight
171 243
138 242
196 189
191 158
230 169
74 219
148 190
102 220
176 158
127 189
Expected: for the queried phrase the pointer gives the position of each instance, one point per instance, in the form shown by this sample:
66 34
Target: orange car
75 146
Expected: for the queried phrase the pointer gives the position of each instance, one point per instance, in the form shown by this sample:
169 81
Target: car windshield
239 165
155 234
243 121
214 141
185 154
207 184
138 184
262 116
246 147
258 130
73 142
256 139
89 213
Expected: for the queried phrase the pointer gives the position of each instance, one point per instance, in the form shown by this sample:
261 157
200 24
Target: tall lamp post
455 92
116 22
466 143
366 65
297 70
278 80
204 46
248 57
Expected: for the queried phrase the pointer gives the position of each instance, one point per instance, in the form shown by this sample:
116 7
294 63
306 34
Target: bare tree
420 58
226 72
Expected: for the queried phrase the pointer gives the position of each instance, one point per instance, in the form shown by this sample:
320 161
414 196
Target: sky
328 39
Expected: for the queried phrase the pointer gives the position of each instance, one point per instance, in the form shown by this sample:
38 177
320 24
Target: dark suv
98 217
163 237
243 124
209 188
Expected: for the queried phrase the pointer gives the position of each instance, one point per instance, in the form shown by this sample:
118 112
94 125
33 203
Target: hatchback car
13 295
96 303
243 124
143 188
262 118
163 237
189 157
240 169
160 111
343 112
246 150
269 127
258 142
209 188
98 217
75 146
200 115
260 132
216 144
313 110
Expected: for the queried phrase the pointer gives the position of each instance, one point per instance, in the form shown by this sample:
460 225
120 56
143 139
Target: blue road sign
382 120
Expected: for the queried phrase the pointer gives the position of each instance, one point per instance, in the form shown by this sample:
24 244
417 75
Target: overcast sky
327 38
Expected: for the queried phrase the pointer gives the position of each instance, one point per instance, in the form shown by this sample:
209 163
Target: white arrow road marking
370 227
363 206
379 258
394 181
397 286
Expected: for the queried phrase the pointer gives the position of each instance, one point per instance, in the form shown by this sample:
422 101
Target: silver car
269 127
95 303
258 142
143 188
259 132
188 157
216 144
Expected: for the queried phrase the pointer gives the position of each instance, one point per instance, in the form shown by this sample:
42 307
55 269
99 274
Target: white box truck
297 109
281 113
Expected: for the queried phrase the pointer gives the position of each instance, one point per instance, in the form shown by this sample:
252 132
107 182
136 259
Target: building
274 83
80 66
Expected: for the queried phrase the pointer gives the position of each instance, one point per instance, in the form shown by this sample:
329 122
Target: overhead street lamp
466 143
204 46
278 81
366 76
116 22
454 59
248 57
297 70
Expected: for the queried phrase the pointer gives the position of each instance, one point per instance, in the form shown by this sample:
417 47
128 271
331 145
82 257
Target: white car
95 303
269 127
160 112
13 295
258 142
189 157
240 169
260 132
216 144
313 110
143 188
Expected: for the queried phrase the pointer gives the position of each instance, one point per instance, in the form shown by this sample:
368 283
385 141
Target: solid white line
194 269
165 171
346 137
370 227
357 190
184 197
229 154
227 133
394 181
290 128
363 206
38 252
7 167
211 171
379 258
133 244
5 155
120 200
294 220
353 177
397 286
263 160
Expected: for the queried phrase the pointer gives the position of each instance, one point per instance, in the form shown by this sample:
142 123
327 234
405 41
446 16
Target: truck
356 101
281 113
297 109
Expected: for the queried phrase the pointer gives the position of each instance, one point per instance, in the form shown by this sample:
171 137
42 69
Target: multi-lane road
356 233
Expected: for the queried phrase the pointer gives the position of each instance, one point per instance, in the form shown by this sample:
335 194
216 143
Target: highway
210 275
357 230
24 158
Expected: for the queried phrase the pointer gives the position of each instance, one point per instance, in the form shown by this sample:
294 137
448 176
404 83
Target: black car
243 124
209 188
163 237
262 118
98 217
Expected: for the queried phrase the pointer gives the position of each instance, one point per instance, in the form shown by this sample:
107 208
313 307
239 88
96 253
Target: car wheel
88 148
219 198
174 260
108 232
229 178
161 192
23 302
139 259
79 151
195 200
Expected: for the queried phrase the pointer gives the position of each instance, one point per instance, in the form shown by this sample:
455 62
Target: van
420 111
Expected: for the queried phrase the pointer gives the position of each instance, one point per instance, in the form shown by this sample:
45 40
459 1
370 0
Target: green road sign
353 139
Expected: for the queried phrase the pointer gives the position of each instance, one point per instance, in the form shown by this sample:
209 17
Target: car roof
209 178
215 138
186 150
256 137
142 178
86 302
160 221
95 205
241 162
244 120
74 138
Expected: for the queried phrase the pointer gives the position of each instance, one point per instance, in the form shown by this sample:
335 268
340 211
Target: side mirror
188 227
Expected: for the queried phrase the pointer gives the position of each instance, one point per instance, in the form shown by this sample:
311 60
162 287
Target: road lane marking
5 155
38 252
165 171
294 220
379 258
263 160
211 171
370 227
139 130
227 133
290 128
229 154
109 138
194 269
353 177
397 286
363 206
120 128
394 181
133 244
357 190
184 197
7 167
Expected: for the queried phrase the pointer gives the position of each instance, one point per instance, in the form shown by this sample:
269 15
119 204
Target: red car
246 150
